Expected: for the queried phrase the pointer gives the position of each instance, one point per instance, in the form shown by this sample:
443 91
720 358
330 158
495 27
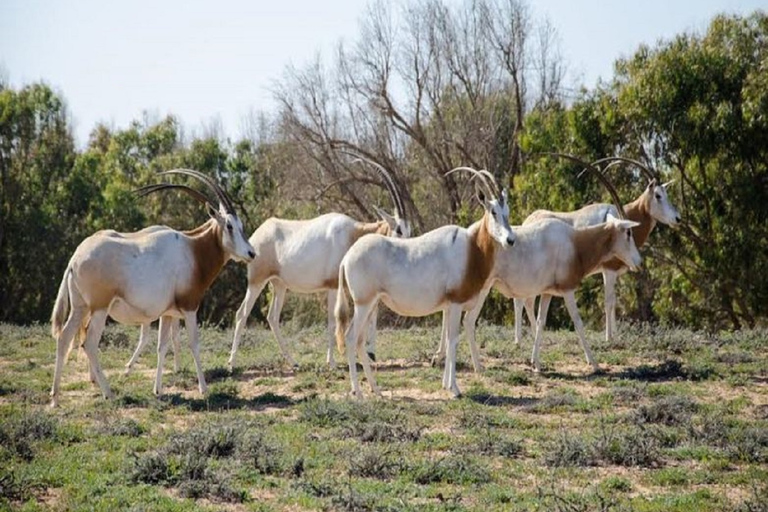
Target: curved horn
149 189
388 181
489 190
651 175
492 180
224 199
600 176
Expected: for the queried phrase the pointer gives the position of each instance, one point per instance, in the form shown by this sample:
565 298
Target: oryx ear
503 197
665 185
627 224
480 195
213 212
652 184
390 220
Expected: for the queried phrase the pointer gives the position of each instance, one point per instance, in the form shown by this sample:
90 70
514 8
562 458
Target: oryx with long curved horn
138 277
550 258
443 270
304 255
652 206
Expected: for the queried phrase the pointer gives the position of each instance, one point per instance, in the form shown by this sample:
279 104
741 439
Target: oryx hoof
372 356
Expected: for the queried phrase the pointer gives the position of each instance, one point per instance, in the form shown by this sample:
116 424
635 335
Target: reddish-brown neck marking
208 259
481 255
639 210
591 245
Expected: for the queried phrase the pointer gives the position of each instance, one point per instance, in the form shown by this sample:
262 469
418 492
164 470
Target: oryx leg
530 302
162 347
362 352
573 310
176 337
470 326
609 278
68 333
331 303
91 346
370 338
351 338
441 346
143 340
273 317
241 317
519 303
541 322
193 333
452 319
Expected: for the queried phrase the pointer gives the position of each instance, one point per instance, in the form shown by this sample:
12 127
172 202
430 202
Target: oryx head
624 246
655 195
233 238
495 203
661 208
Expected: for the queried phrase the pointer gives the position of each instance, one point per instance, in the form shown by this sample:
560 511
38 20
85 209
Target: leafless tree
427 87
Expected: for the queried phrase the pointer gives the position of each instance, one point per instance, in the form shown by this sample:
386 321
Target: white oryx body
303 256
651 207
136 278
550 258
442 270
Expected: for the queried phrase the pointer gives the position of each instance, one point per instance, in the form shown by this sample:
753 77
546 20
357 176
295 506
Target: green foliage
695 107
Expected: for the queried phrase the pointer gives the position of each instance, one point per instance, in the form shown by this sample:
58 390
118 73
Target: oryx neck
639 210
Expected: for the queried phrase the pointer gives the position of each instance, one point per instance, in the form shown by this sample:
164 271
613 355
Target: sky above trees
211 64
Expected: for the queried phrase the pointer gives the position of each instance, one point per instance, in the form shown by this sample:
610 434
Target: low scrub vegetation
643 434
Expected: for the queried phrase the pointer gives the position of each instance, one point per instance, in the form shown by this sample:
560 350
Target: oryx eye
658 197
229 226
398 231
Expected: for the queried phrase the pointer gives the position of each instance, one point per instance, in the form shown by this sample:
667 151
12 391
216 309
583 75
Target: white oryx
304 255
651 207
442 270
139 277
551 257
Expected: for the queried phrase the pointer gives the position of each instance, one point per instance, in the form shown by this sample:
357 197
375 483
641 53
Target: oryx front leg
470 326
541 322
163 330
331 303
609 278
241 317
441 346
273 317
573 310
176 337
519 303
452 320
143 340
190 321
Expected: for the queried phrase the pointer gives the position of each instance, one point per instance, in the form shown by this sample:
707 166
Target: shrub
672 410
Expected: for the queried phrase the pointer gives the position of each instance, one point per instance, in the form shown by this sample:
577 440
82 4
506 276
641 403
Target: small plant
18 434
374 462
459 470
672 410
151 468
260 454
569 449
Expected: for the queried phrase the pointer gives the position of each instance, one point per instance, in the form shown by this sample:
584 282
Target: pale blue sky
201 60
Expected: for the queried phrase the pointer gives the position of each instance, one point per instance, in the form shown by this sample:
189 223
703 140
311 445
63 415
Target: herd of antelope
161 273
